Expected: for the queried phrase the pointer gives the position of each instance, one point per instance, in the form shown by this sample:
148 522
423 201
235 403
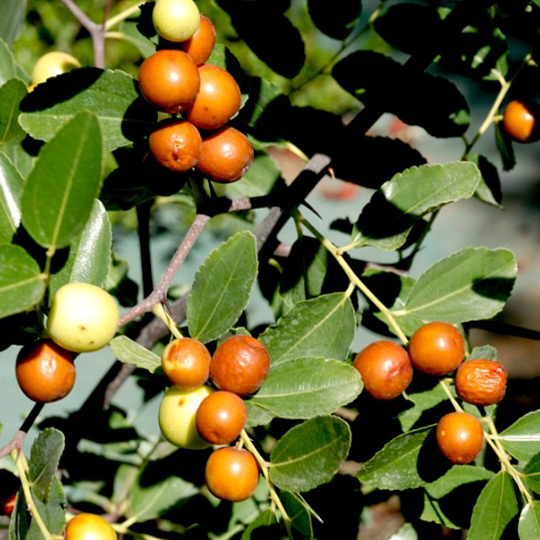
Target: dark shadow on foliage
495 288
431 463
335 19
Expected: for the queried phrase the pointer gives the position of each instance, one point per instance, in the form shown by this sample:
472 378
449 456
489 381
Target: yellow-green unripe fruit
176 20
177 413
52 64
83 317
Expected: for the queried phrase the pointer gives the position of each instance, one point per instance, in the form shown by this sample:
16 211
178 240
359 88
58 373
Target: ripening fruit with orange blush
9 486
386 369
221 417
175 20
232 474
169 80
437 348
240 365
89 527
519 121
218 99
186 362
481 382
460 437
200 45
45 372
226 155
176 145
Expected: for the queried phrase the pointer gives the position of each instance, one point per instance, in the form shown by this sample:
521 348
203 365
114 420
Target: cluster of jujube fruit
195 415
176 80
437 349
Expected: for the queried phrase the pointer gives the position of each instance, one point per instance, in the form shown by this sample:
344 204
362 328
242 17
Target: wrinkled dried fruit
481 382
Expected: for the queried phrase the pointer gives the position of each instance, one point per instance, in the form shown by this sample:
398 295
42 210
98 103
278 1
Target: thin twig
18 439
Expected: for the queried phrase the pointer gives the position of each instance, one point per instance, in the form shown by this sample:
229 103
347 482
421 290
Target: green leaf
21 283
286 56
222 287
130 352
423 401
497 506
111 96
150 502
257 416
310 454
264 526
456 477
489 187
8 69
485 352
471 284
307 387
11 186
532 473
11 94
89 254
323 326
44 460
130 29
504 147
388 218
12 13
522 438
299 514
60 191
419 99
529 522
335 19
396 466
260 178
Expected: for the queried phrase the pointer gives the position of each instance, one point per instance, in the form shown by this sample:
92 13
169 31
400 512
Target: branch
18 439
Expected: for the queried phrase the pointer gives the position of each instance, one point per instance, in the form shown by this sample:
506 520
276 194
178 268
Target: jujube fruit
83 317
232 474
221 417
169 80
218 99
89 527
437 348
481 382
175 20
386 369
186 362
52 64
45 372
240 365
177 412
460 437
520 121
226 155
176 145
9 486
200 45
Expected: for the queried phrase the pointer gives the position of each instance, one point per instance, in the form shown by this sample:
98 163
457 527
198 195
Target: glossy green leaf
44 459
12 14
529 522
257 416
532 473
471 284
21 283
264 526
299 514
60 191
335 19
419 99
90 254
11 94
152 501
222 287
111 96
522 438
395 467
22 160
8 69
388 218
423 401
323 326
130 352
11 186
497 506
307 387
456 477
310 454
